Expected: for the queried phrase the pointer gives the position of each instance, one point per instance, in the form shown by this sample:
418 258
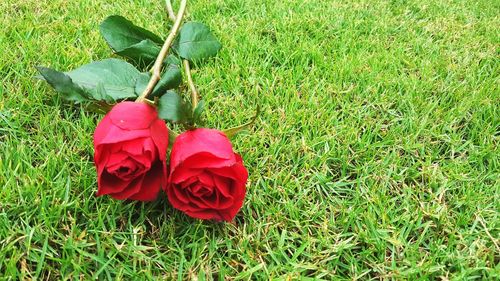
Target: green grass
375 157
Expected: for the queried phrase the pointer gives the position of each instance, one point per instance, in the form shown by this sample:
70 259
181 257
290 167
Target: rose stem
194 92
170 10
187 68
155 77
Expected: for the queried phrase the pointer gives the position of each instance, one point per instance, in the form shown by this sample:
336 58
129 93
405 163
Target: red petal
151 185
133 188
132 115
235 208
197 201
159 135
116 135
102 130
108 184
136 146
206 214
223 186
188 182
179 195
182 174
200 190
198 141
100 160
207 160
238 172
116 158
224 202
206 179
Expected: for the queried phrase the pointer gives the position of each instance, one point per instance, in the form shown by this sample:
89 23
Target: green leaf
141 54
233 131
171 78
198 111
172 59
63 84
171 107
142 82
196 42
109 80
99 107
130 41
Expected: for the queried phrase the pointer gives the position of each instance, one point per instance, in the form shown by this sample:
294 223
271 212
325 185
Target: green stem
185 63
156 70
170 10
192 87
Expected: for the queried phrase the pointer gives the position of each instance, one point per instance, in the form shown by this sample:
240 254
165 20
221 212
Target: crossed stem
185 63
156 70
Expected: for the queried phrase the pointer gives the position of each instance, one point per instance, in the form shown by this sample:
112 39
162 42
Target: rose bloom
130 146
207 179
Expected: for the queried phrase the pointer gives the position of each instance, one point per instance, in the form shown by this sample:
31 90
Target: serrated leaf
142 54
171 107
235 130
196 42
130 41
109 80
142 82
171 78
63 84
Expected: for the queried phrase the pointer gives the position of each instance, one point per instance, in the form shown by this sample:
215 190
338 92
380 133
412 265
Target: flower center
200 190
126 170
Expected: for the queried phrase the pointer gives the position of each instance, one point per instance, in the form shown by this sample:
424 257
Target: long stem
192 87
155 77
187 68
170 10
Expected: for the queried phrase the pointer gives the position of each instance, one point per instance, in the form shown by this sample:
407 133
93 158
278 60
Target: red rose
207 179
130 146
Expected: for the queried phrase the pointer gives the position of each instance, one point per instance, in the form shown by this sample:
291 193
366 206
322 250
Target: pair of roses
205 178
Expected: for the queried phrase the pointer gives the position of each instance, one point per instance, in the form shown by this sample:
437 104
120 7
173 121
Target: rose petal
179 194
224 202
200 140
182 174
128 164
102 130
128 169
188 182
135 146
235 208
205 214
132 115
133 188
207 160
116 135
206 179
159 135
197 201
100 161
108 184
199 190
223 186
151 185
150 150
116 158
237 172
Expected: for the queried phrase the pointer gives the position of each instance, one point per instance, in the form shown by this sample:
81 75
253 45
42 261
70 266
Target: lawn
375 155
